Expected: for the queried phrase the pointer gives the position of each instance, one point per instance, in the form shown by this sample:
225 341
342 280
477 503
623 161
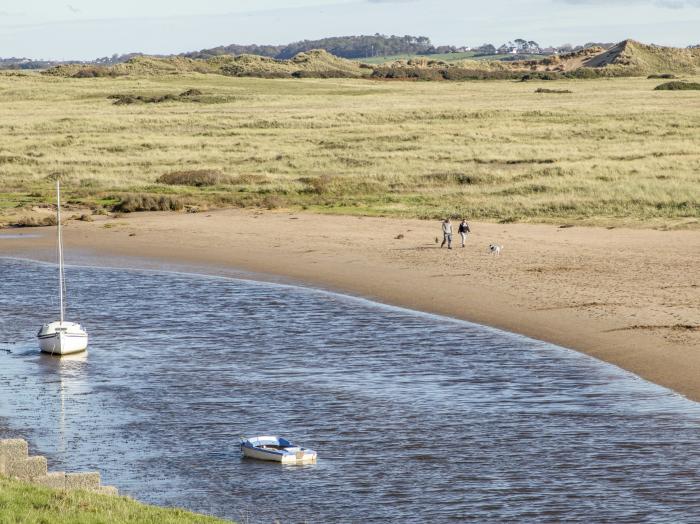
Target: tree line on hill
363 46
367 46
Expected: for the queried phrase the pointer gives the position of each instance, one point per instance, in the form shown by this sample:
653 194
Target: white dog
495 249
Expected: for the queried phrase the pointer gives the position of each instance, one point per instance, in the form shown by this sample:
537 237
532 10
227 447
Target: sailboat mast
60 246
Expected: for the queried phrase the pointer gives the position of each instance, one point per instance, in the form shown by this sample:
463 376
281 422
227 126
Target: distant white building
507 50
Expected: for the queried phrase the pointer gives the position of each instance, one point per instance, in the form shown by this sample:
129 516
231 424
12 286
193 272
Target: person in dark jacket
464 230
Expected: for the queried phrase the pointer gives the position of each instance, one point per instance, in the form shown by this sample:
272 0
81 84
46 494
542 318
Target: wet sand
628 297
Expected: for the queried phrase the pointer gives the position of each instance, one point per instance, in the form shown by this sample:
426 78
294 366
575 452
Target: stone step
15 462
27 469
89 481
13 450
53 479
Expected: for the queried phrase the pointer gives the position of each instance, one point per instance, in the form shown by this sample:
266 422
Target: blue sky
84 29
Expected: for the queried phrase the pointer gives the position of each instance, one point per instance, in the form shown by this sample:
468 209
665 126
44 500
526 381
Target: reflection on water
70 370
416 418
17 235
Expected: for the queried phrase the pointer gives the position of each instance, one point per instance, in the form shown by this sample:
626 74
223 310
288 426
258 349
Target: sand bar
628 297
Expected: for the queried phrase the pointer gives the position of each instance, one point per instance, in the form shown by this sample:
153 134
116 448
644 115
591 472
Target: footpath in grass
22 503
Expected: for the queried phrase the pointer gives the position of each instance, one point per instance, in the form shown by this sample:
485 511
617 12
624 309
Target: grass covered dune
613 151
28 504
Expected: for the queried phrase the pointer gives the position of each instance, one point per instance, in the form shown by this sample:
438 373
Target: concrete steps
15 462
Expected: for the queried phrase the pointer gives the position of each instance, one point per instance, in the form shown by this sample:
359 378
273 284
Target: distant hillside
628 58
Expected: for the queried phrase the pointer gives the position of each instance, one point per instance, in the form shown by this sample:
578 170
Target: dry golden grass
613 152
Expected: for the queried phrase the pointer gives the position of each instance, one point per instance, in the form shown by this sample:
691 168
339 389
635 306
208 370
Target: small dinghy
276 449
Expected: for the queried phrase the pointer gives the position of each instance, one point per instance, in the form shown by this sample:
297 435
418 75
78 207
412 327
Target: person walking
464 230
446 233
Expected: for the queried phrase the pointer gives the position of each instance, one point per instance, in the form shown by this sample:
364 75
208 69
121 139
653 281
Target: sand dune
627 58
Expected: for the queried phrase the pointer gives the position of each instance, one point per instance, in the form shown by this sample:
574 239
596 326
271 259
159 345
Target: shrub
95 72
331 73
125 100
318 185
191 92
678 86
195 178
228 70
134 99
585 73
553 91
249 179
273 202
415 72
407 73
540 75
665 76
451 178
461 73
146 202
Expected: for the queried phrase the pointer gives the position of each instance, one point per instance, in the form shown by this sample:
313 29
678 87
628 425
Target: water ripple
416 418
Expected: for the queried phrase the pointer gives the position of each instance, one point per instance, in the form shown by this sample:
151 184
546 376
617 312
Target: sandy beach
628 297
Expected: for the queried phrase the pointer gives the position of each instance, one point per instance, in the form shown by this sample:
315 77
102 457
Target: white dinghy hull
275 449
62 338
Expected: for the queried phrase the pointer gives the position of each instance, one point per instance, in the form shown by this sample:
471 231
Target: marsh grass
131 203
616 152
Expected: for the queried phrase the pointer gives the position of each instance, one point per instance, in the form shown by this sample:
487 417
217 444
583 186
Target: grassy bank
24 503
611 152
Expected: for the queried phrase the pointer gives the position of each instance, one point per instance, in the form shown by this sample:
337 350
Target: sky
88 29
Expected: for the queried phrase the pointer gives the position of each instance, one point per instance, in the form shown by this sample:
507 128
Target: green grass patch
27 504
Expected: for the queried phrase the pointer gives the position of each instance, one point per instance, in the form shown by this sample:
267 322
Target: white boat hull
64 338
276 449
301 457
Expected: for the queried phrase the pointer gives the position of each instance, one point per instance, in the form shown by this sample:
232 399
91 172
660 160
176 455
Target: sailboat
61 337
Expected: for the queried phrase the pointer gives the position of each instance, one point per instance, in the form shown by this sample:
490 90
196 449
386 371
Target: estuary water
416 418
